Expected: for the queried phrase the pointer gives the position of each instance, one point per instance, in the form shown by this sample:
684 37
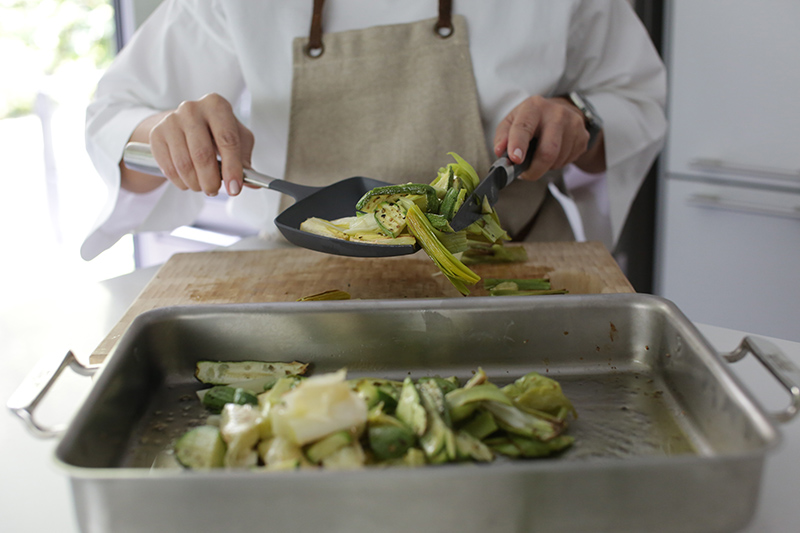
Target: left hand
557 123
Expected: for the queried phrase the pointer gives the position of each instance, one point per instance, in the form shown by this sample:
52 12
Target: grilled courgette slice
234 372
201 448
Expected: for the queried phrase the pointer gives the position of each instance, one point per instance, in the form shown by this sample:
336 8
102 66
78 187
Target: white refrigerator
728 231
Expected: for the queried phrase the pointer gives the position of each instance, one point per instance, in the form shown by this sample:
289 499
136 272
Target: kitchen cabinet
728 236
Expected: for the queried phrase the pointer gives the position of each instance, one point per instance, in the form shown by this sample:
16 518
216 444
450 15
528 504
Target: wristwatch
592 120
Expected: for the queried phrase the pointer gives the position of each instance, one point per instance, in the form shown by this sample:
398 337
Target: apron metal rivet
314 53
443 31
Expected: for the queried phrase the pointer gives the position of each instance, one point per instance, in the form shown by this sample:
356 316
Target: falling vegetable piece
458 273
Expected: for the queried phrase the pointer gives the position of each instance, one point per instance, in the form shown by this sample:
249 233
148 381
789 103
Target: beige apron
389 102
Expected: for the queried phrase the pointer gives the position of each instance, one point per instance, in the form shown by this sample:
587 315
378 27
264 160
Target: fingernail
518 154
234 188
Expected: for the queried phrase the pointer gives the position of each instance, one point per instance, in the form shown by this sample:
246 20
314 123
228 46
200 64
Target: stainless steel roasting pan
667 439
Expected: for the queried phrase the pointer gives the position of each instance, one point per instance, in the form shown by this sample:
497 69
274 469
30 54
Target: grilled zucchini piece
234 372
326 446
201 448
428 201
216 397
391 218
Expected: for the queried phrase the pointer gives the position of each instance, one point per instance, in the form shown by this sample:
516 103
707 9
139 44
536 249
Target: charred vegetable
328 421
417 213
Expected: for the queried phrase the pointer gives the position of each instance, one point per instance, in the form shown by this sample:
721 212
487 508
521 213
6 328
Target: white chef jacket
189 48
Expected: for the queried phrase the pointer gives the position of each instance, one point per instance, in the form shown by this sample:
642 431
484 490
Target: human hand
186 141
559 126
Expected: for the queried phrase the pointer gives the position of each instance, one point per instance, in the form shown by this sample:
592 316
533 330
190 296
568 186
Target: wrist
592 121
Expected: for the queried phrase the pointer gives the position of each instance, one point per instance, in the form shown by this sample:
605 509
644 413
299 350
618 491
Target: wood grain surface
284 275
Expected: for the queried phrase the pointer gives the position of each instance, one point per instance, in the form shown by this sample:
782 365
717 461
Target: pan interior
644 386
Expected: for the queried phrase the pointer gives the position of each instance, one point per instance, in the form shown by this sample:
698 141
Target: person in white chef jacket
384 89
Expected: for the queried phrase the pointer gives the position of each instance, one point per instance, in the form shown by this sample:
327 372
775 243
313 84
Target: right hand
185 143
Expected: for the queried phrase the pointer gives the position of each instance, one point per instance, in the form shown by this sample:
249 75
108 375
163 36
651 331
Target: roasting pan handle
778 365
35 386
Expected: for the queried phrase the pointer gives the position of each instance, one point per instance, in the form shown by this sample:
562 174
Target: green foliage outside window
52 46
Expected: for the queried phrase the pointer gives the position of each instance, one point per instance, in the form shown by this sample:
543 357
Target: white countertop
36 494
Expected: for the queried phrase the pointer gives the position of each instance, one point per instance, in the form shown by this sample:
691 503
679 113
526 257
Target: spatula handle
139 157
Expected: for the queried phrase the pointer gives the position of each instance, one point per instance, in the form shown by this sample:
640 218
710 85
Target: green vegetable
439 222
201 448
481 252
519 422
517 446
393 215
378 391
410 409
465 173
469 447
445 384
391 218
481 425
346 458
216 397
535 393
227 373
491 229
390 441
319 226
448 206
478 393
458 274
325 447
423 194
333 294
438 441
526 284
330 422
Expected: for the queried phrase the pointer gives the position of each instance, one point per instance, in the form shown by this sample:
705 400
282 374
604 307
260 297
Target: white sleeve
613 61
181 52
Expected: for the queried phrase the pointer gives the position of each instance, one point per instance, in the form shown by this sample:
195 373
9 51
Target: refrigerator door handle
713 201
719 165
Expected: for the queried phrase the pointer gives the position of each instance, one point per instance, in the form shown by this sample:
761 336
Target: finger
500 142
172 131
226 133
570 146
523 128
203 156
164 161
161 137
548 151
248 142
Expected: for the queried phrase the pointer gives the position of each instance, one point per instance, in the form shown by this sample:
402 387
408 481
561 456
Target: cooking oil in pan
624 414
173 411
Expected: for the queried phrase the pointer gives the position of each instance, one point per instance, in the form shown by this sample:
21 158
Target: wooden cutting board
284 275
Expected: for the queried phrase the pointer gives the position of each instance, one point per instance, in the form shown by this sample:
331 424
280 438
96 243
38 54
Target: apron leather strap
444 26
315 48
